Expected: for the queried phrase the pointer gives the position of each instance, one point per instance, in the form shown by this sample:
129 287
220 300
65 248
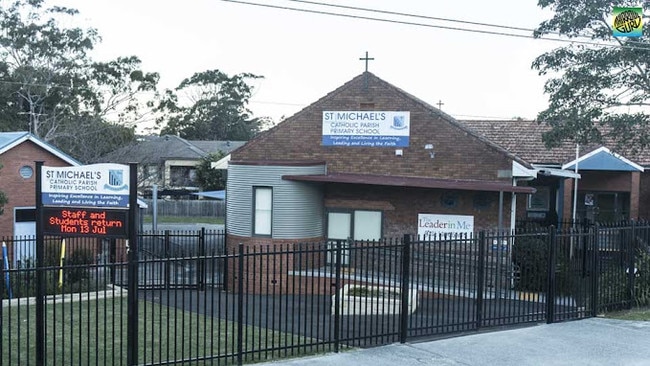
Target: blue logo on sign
115 180
398 123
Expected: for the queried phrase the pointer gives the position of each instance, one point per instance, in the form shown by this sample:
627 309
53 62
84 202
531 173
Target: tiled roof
524 139
155 149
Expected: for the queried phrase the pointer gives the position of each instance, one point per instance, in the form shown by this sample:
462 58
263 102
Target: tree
52 88
597 92
211 106
207 178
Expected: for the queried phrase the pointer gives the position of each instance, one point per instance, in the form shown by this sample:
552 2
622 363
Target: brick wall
401 206
605 181
459 155
269 271
20 191
644 196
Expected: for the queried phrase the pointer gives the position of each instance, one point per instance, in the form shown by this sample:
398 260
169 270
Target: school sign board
434 225
366 128
96 185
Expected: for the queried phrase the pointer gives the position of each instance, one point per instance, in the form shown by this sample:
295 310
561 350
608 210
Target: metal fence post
406 272
133 268
240 306
200 273
480 279
168 256
550 291
595 273
40 276
337 297
631 270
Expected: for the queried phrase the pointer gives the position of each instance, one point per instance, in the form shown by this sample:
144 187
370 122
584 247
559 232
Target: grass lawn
632 314
185 220
95 332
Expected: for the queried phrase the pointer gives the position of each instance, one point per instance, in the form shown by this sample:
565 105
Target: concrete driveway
595 341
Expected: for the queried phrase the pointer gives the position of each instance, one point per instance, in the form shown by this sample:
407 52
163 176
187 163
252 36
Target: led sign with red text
85 222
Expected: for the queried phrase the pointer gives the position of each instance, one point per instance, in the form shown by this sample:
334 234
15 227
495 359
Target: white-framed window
262 210
367 225
355 224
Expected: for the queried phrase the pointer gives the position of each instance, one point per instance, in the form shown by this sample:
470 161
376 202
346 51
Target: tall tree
50 86
596 92
210 105
207 178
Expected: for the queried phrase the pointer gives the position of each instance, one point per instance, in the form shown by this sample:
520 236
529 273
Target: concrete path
594 341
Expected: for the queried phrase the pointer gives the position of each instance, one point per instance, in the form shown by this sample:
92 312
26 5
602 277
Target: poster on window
435 225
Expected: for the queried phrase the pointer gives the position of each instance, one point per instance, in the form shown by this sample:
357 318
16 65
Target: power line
413 15
410 15
469 30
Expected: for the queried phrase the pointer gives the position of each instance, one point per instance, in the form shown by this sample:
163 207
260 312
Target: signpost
98 200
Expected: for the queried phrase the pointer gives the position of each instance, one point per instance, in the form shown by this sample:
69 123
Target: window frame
352 213
254 213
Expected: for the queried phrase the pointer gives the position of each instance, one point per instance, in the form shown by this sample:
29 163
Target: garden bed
373 300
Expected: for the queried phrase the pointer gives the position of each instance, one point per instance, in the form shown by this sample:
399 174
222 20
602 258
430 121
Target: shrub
642 280
530 256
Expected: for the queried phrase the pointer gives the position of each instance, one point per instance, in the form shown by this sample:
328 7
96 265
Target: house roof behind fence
154 149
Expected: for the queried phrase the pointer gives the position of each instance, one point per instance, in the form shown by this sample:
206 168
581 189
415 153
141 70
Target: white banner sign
435 225
97 185
366 128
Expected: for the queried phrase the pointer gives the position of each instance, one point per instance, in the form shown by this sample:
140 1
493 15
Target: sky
304 56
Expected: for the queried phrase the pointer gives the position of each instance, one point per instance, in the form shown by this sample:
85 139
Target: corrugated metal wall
297 207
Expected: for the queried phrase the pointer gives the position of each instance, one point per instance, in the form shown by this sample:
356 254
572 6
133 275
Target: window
540 200
367 225
182 176
355 224
262 210
26 171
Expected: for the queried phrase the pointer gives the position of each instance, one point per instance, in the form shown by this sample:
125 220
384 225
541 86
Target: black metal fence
200 304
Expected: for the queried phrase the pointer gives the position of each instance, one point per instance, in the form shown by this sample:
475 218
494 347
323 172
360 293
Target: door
24 236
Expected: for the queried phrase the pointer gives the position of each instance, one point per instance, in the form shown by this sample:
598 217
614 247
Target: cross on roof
366 59
440 104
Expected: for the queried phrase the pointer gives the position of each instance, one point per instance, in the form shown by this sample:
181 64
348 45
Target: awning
221 164
219 195
415 182
520 171
604 159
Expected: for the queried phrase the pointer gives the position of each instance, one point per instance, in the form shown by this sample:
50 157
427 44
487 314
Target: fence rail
199 303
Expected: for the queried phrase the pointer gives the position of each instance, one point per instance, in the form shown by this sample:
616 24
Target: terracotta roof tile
524 139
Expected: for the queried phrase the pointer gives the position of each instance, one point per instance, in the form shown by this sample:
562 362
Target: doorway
24 236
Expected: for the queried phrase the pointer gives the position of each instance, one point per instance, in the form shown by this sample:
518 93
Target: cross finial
366 59
440 104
